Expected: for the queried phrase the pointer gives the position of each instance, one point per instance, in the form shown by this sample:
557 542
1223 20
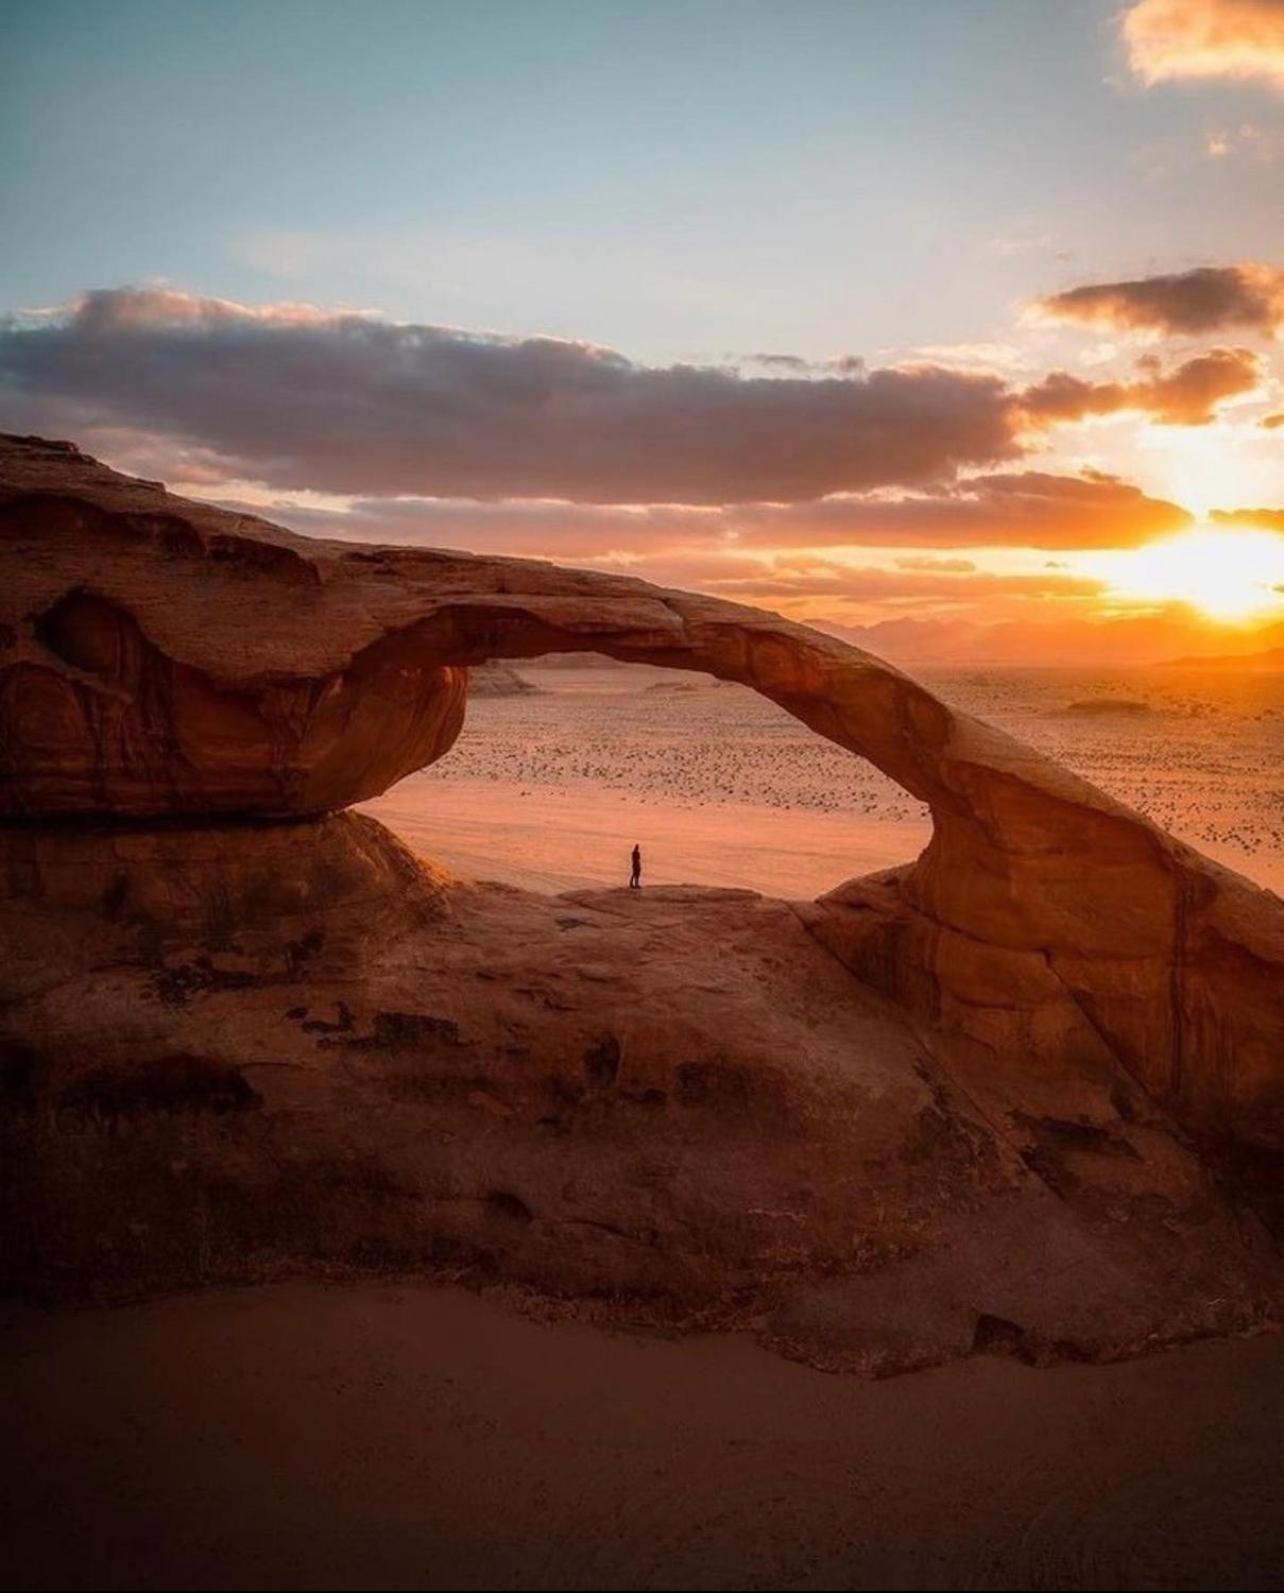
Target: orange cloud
1030 508
779 586
1187 396
1182 39
435 436
1015 509
1265 519
1207 299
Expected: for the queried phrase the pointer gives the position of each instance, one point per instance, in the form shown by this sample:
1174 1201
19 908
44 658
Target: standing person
635 879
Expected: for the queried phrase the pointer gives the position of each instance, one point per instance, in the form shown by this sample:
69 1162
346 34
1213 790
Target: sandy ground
554 840
722 788
300 1435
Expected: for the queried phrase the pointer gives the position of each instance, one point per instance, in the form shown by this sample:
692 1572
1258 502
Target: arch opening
566 760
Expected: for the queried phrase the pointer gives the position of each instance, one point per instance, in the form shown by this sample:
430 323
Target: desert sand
723 788
300 1435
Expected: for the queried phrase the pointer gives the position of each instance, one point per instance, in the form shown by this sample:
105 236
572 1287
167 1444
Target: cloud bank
1032 509
345 403
302 398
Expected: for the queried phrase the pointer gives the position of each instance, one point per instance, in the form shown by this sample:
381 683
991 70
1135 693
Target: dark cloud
1187 396
302 398
1207 299
1272 422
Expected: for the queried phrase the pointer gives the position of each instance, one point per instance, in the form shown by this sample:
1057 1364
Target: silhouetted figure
635 879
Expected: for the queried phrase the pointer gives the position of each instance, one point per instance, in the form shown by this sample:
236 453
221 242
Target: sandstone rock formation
951 1103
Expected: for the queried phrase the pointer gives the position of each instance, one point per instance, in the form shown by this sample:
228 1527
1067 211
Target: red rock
168 658
233 1051
976 1055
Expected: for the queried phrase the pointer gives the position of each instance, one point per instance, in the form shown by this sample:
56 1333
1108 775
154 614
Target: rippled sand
723 788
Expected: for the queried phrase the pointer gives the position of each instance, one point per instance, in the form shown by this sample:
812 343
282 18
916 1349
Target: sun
1232 576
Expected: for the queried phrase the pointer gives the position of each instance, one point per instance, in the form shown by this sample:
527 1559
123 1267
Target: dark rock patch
177 1083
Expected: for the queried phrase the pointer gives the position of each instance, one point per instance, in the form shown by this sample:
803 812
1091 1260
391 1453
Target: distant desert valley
549 786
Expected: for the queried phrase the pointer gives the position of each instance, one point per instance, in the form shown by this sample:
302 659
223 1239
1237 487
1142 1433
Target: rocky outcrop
233 1052
1005 1043
165 658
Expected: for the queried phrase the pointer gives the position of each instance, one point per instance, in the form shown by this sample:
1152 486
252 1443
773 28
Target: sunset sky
951 323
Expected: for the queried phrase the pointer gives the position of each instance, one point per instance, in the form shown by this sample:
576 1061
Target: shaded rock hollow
814 1111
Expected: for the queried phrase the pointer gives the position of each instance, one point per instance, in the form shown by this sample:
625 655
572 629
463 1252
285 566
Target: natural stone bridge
162 659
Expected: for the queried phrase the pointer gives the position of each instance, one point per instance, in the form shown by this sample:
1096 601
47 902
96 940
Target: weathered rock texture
241 1033
237 1051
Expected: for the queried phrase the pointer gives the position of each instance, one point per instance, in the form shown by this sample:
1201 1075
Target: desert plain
549 788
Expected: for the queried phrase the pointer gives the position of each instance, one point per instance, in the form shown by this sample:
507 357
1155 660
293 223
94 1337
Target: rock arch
161 659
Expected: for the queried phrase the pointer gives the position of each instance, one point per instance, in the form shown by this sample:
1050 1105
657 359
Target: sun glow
1231 576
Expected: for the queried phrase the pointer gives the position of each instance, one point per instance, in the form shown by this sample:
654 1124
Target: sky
950 324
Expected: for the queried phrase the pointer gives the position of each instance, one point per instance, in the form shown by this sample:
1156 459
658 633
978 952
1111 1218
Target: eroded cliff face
96 718
1011 1035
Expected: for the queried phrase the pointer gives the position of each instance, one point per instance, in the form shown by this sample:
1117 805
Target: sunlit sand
550 791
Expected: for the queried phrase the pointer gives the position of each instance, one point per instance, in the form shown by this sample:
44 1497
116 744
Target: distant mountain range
1140 640
1246 663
